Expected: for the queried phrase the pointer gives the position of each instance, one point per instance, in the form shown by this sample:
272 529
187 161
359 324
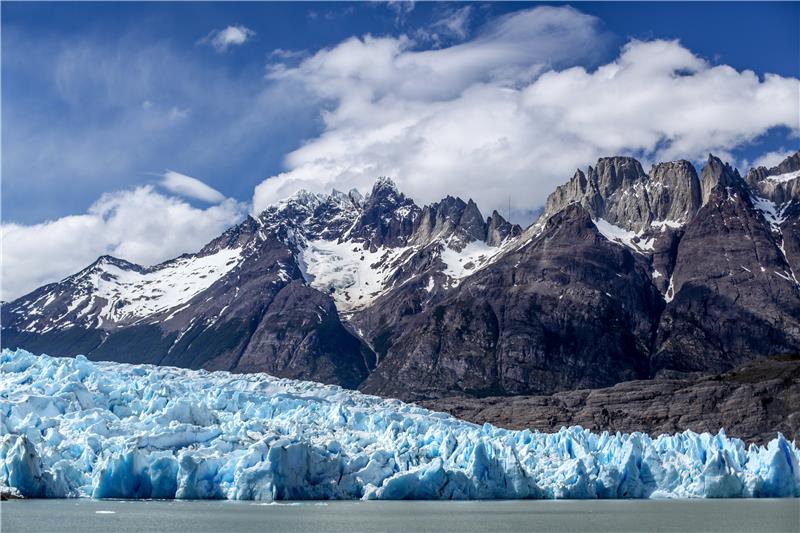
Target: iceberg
75 428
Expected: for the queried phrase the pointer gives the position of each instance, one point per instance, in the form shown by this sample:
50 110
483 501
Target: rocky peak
499 229
674 191
234 237
472 221
614 173
452 220
618 191
716 173
104 261
578 189
788 165
384 189
356 197
387 217
574 221
779 184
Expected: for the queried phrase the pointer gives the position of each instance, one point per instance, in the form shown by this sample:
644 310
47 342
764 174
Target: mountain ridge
610 284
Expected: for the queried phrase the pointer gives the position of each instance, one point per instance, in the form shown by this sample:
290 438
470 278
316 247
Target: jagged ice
74 428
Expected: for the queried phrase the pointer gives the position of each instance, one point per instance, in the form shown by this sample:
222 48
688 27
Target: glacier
76 428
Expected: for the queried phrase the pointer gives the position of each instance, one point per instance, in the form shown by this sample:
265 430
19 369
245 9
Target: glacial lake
116 516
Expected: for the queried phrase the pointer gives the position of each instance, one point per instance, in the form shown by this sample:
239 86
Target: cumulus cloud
221 40
140 225
190 187
508 114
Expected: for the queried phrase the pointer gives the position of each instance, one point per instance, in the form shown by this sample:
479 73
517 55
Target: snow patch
472 257
624 237
783 178
353 276
774 214
663 224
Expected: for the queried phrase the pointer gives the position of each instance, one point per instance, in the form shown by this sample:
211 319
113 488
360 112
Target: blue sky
101 100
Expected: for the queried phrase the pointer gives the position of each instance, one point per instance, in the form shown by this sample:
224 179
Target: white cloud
401 9
221 40
770 159
190 187
506 113
139 225
282 53
455 23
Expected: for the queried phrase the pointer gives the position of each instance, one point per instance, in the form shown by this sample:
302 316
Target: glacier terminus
75 428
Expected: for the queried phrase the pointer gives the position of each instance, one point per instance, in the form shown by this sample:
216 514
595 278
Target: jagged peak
790 164
356 197
308 198
717 173
382 186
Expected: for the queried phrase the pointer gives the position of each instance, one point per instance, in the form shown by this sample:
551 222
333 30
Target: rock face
732 295
567 308
751 402
618 190
628 275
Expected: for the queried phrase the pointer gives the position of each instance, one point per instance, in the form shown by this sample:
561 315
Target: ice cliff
72 427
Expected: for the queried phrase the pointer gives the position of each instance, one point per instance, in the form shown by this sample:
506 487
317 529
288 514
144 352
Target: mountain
627 275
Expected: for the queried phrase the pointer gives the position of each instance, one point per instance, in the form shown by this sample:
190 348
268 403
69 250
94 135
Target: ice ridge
75 428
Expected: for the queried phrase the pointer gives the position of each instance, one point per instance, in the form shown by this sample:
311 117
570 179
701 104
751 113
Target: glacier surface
75 428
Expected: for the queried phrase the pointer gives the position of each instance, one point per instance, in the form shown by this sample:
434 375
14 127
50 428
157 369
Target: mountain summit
627 275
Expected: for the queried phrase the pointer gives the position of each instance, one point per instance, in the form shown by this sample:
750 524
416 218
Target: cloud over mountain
139 225
509 113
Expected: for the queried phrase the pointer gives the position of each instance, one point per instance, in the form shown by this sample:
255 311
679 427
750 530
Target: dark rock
567 308
753 402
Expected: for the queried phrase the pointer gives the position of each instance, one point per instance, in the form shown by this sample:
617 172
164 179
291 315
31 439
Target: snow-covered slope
76 428
113 291
130 293
786 177
353 276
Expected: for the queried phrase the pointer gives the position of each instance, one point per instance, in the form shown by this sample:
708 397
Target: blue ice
74 428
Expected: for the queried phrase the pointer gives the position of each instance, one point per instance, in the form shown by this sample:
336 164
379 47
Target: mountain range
627 275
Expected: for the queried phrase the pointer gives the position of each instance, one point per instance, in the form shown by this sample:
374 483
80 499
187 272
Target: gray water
442 517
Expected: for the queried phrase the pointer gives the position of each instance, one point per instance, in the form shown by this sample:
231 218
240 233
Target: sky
143 130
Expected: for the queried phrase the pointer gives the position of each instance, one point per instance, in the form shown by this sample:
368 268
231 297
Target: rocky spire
716 173
499 229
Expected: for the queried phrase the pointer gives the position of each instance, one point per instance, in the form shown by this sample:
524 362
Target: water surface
428 516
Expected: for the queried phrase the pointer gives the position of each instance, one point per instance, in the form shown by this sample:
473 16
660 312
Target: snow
460 264
353 276
622 236
783 178
773 214
431 284
131 294
663 224
107 430
670 294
